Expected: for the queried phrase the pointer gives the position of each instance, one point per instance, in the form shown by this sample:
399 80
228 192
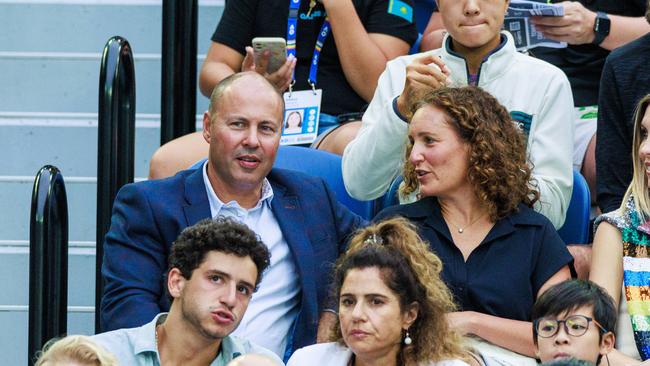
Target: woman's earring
407 339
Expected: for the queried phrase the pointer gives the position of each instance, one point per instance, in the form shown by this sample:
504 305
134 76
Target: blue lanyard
292 26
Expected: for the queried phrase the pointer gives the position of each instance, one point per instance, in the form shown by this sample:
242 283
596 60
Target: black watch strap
602 27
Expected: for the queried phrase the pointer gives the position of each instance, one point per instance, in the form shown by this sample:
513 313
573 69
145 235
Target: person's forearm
514 335
617 358
361 58
212 73
624 30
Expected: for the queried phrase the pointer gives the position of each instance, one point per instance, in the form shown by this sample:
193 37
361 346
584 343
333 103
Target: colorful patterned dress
636 271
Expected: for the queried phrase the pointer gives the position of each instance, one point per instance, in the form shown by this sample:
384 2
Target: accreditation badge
301 114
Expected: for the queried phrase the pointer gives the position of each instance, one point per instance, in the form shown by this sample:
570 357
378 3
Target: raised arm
363 54
550 148
223 61
375 156
230 50
220 62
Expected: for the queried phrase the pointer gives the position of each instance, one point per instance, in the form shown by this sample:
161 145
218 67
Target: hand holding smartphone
277 48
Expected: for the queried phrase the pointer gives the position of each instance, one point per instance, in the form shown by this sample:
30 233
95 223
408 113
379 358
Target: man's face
213 301
586 347
244 135
473 24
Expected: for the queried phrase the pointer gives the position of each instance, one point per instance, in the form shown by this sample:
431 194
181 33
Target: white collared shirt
274 307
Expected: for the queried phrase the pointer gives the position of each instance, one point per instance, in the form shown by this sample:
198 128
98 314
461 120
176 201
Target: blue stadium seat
576 226
423 11
391 198
416 46
320 164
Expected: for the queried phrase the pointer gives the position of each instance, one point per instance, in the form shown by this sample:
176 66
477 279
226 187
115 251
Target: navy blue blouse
503 275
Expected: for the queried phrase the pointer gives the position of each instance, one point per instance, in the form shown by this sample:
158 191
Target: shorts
585 128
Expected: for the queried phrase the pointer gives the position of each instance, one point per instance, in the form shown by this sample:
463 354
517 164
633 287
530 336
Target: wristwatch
601 28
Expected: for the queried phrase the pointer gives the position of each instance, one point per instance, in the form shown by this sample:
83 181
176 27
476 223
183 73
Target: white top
274 307
334 354
521 83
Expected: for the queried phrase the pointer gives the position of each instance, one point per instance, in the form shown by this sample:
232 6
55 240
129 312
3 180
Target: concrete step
50 56
70 83
13 337
84 26
69 144
14 264
82 203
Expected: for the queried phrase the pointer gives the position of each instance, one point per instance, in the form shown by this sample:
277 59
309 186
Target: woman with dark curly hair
468 161
392 304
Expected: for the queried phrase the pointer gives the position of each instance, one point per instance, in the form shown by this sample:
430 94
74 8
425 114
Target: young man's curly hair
221 234
498 168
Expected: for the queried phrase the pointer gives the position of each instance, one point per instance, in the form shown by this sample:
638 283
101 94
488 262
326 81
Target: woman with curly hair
75 350
468 161
392 304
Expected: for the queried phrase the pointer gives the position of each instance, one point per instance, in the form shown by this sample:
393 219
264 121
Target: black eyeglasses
575 325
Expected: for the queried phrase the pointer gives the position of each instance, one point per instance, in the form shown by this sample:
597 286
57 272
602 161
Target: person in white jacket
474 52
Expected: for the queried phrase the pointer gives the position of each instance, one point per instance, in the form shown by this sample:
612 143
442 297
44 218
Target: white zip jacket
537 94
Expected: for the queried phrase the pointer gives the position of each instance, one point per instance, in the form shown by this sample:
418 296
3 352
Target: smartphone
277 47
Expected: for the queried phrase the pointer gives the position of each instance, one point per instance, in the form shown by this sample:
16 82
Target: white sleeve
375 156
551 150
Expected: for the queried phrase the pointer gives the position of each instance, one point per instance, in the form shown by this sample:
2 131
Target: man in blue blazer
295 215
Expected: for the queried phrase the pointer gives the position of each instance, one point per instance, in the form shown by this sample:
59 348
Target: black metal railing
48 260
178 95
116 141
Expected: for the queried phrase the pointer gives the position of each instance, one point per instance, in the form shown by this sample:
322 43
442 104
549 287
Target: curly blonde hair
412 272
75 348
499 171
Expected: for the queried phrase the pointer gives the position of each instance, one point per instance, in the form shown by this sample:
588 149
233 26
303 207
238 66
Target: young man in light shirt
215 266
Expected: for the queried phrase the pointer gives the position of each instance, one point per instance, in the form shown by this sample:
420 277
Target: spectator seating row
328 166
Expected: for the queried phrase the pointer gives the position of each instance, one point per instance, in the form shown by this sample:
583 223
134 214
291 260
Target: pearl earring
407 339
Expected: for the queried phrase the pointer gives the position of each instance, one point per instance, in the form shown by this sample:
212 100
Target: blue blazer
148 216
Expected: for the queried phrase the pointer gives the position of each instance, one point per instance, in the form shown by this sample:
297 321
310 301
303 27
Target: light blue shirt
137 346
274 307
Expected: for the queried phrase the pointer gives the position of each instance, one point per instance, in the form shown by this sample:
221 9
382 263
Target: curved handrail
48 259
116 140
178 66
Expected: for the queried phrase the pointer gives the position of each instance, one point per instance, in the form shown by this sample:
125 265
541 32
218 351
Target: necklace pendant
460 230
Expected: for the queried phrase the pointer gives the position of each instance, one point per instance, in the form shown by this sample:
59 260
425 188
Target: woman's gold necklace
462 229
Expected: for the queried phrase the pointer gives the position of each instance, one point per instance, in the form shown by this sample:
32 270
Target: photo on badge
293 121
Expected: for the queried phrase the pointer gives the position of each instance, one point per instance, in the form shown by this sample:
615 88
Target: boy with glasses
574 319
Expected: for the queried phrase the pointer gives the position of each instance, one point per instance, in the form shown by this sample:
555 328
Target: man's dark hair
568 362
221 234
570 295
